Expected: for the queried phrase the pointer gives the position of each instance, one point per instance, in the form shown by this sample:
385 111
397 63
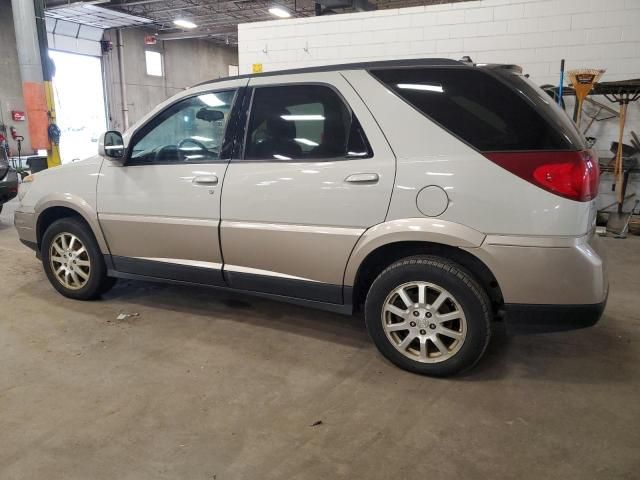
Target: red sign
18 116
150 40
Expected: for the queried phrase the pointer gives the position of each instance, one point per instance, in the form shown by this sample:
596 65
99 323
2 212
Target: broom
583 80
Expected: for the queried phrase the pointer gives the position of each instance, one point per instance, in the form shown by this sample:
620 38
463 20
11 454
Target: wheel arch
386 243
49 212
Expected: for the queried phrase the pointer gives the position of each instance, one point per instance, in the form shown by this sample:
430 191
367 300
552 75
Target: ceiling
91 15
217 20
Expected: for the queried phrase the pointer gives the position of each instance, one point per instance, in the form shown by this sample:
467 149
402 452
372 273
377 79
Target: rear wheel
429 316
72 260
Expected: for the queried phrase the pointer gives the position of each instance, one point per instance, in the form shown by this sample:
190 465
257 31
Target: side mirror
111 145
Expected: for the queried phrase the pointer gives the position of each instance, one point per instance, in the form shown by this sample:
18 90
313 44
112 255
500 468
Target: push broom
583 80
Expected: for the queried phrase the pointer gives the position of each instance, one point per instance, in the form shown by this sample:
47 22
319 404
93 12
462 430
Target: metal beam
194 34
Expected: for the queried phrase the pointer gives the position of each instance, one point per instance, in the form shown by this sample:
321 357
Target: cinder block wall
535 34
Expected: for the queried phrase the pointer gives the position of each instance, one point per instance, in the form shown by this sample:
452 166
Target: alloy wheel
69 260
424 322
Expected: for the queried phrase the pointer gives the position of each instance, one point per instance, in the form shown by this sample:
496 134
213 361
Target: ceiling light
306 141
279 12
295 118
184 23
211 100
421 86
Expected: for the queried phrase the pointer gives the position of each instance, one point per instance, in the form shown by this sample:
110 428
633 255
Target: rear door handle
206 180
363 178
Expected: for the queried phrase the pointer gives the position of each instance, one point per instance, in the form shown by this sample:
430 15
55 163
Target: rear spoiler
502 67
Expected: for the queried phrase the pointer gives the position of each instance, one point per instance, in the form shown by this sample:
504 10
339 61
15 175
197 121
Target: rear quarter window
489 111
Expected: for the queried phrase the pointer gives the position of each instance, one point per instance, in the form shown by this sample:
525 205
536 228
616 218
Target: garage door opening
80 109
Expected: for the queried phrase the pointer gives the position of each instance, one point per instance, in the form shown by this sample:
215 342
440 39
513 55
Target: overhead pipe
123 85
197 34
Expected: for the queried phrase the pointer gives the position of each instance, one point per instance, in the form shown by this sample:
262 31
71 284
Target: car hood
66 168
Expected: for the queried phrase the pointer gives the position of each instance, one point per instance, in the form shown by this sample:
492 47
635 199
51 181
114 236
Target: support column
31 44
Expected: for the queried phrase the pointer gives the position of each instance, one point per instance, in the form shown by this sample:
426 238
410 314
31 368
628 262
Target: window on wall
154 63
190 131
296 122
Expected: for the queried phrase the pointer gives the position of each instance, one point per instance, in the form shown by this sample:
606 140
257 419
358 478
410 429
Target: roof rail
405 63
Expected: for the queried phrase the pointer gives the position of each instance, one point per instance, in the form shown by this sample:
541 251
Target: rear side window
488 114
302 122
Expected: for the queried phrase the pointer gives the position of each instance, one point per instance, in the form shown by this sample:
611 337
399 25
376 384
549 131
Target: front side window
190 131
302 122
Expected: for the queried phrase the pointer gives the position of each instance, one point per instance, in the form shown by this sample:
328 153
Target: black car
8 179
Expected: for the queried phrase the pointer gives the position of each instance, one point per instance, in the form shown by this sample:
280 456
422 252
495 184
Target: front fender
77 204
410 230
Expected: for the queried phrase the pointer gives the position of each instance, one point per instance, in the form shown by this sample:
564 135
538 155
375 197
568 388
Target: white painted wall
535 34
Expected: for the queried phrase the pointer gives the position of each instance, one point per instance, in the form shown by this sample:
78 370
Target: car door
315 172
160 209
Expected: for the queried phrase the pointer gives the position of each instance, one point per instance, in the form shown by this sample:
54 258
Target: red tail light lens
572 175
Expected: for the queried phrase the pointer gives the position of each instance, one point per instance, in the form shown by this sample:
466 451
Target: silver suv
434 195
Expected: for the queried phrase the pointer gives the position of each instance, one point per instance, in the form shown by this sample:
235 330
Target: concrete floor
203 385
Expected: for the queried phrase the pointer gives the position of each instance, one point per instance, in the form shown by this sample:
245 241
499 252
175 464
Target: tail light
572 175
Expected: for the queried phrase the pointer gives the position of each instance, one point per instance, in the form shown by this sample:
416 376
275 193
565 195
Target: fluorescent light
281 157
211 100
184 23
422 87
202 139
279 12
303 118
306 141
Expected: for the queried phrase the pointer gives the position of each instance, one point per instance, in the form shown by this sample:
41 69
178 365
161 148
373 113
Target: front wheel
72 260
428 315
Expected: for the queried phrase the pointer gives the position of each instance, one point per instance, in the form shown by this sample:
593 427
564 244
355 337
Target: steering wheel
194 141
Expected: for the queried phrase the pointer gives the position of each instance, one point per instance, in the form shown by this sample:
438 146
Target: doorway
80 108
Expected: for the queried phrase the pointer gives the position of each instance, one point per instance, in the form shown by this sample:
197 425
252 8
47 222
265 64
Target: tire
82 271
424 337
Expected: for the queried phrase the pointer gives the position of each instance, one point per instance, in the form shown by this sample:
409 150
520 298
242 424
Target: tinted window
487 113
190 131
296 122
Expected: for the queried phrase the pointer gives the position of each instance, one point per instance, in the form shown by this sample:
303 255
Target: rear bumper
541 271
8 190
524 319
548 283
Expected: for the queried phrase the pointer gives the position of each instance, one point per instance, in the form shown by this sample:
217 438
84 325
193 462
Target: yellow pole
53 152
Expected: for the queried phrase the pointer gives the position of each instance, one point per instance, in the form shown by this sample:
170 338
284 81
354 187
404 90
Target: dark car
8 179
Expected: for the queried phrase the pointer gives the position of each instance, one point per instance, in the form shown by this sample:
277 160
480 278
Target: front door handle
206 180
363 178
